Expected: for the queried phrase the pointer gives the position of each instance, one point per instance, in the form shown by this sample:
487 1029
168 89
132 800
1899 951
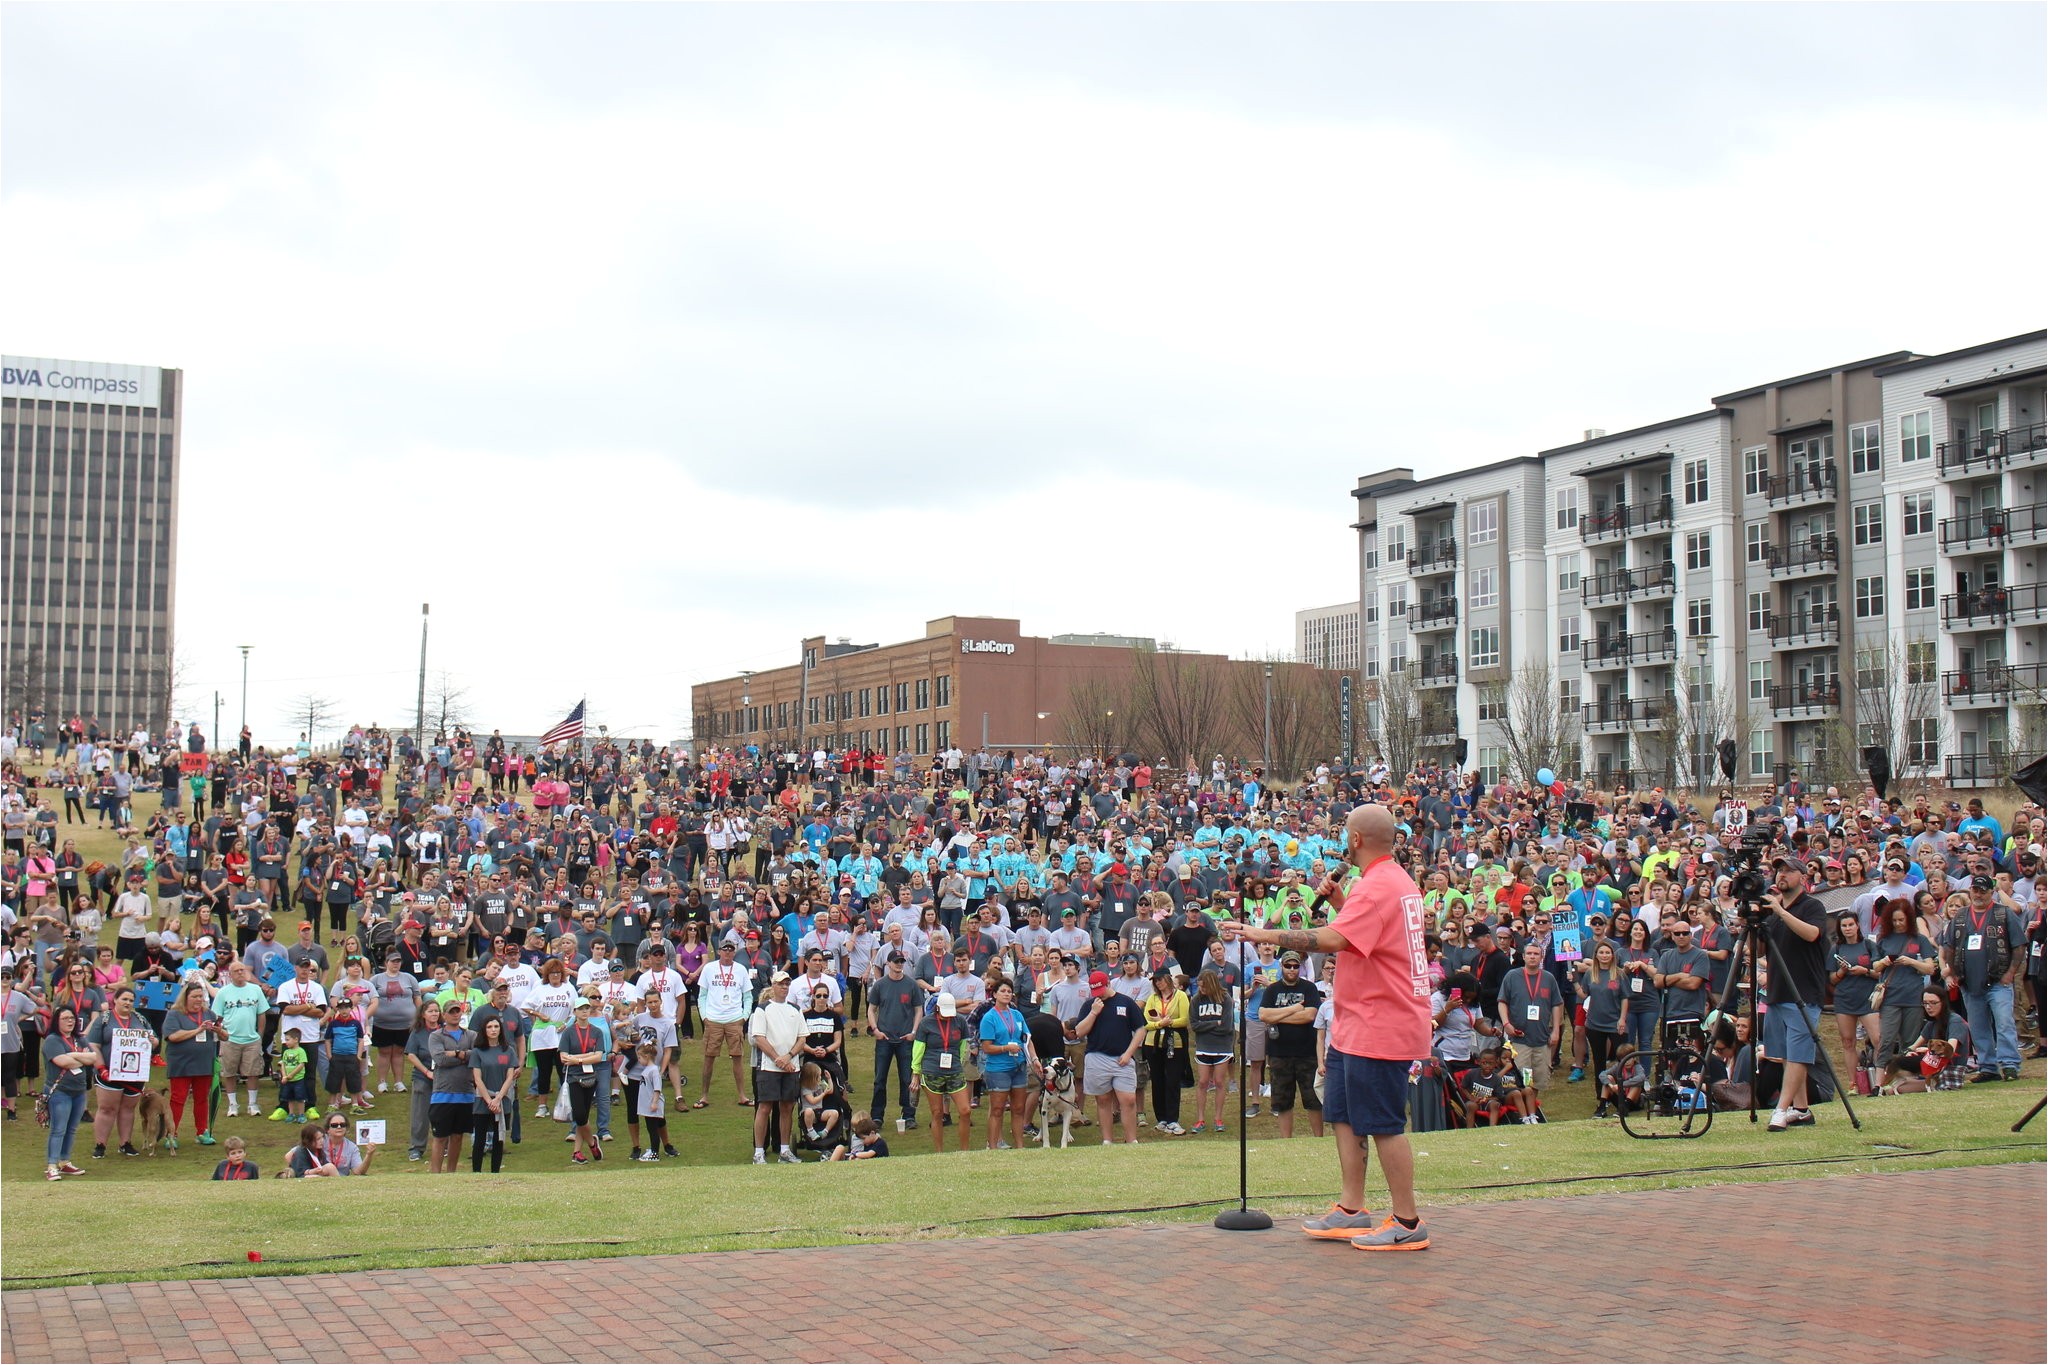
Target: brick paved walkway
1771 1271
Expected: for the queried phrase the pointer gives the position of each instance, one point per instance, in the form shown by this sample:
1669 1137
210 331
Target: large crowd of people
472 942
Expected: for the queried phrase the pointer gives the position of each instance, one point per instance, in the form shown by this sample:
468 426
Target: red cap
1098 982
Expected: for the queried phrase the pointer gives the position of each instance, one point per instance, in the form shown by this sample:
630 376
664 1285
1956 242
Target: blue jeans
1992 1029
67 1107
1641 1032
604 1101
895 1050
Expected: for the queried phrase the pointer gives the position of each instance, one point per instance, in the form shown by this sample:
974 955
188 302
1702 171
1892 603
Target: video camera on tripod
1749 874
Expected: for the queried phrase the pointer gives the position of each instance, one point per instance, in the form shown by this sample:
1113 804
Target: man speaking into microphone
1380 1025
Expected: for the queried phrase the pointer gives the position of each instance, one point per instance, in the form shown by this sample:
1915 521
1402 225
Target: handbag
1726 1095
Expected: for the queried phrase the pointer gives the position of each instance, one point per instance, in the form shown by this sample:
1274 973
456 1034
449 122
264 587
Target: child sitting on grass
867 1141
1492 1089
236 1165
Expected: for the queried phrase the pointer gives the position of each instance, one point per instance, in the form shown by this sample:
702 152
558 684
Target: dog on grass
152 1121
1060 1099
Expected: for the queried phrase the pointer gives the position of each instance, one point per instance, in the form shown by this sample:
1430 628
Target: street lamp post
419 724
1269 722
1699 741
245 685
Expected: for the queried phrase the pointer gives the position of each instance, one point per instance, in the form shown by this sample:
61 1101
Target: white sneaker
540 1111
1780 1119
383 1088
647 1156
233 1112
398 1086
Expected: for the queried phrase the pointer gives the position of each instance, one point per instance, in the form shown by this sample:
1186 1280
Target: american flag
570 728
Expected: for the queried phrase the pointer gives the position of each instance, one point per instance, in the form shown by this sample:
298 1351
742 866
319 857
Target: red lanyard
1530 979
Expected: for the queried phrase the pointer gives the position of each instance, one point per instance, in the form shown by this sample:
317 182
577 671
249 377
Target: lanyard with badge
1533 983
946 1056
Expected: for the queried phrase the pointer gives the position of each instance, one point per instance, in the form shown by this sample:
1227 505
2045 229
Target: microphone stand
1241 1218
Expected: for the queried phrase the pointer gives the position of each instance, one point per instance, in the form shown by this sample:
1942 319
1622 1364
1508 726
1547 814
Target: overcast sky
644 341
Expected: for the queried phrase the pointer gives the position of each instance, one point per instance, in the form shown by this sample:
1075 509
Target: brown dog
152 1121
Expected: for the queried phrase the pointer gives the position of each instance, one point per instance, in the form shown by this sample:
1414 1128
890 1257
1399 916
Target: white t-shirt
131 908
593 970
551 1008
801 988
307 1026
669 982
524 981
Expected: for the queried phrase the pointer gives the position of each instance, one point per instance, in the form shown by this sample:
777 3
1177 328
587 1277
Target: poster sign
128 1054
1566 935
369 1131
191 763
1738 816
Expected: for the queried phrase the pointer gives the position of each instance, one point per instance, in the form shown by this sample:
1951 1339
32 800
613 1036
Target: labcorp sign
79 381
987 647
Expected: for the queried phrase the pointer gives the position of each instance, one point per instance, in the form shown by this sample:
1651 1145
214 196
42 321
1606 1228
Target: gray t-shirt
194 1057
395 1007
19 1007
1067 1001
451 1054
898 1005
1523 991
1678 1002
495 1063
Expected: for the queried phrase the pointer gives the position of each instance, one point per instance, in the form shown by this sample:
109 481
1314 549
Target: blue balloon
1545 777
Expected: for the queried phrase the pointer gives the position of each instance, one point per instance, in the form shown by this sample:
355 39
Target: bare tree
310 714
28 684
1398 717
1898 706
1538 730
1096 714
1304 711
448 705
1179 703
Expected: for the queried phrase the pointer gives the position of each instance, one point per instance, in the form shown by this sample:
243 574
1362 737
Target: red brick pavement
1773 1271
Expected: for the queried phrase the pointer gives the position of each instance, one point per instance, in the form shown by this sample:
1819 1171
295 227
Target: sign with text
80 381
128 1054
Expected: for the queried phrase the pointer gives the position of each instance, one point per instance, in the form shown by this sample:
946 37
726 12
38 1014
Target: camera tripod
1748 927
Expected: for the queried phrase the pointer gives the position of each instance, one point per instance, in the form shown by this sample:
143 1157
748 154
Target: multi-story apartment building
1848 557
1962 498
1327 636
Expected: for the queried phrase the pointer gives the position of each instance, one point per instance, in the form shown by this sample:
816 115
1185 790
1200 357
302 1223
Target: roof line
1664 425
1889 358
1978 349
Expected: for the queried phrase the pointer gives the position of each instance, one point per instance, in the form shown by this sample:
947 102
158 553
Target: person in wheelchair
1492 1091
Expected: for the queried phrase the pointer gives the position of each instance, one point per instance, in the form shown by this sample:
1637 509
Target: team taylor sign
79 381
987 647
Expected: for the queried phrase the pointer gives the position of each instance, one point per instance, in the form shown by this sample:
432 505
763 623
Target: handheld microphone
1336 874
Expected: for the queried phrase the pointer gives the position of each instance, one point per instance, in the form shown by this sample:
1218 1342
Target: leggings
485 1134
546 1062
581 1098
1603 1045
1164 1067
200 1089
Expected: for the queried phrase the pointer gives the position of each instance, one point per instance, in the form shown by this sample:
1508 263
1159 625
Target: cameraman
1795 923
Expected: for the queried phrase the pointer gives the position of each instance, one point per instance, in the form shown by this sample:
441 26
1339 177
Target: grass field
543 1208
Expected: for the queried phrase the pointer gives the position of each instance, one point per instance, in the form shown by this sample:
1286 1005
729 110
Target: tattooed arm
1323 940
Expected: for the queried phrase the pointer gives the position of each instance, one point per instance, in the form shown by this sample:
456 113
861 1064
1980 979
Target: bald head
1370 832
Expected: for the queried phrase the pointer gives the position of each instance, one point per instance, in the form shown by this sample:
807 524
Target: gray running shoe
1391 1236
1337 1224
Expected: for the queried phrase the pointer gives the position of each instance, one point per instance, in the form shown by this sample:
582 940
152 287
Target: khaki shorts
719 1038
243 1061
1534 1058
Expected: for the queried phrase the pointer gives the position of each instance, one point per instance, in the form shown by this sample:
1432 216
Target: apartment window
924 694
902 698
1759 608
1397 603
1867 521
1919 589
1760 680
1372 608
1485 647
1397 657
1568 508
1568 696
1484 519
1756 470
1397 544
1372 549
1920 661
1695 481
1916 514
1916 437
1492 710
944 735
1923 741
1372 661
782 715
1870 668
831 707
1755 539
882 700
1699 616
1866 452
1761 757
1699 549
1870 596
945 697
865 701
1491 761
1567 634
1485 587
924 739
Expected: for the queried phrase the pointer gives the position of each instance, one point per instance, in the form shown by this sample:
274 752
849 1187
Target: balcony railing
1619 713
1814 483
1995 526
1436 557
1623 585
1807 698
1813 626
1992 450
1816 554
1983 769
1438 671
1627 520
1995 684
1440 614
1617 651
1987 607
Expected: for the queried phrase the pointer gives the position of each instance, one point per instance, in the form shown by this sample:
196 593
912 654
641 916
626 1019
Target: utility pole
245 690
419 724
803 700
216 716
1269 722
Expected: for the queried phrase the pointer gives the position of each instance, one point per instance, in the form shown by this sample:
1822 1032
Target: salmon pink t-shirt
1379 1002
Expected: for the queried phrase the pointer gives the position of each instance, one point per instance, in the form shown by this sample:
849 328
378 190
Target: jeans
67 1107
895 1050
1641 1032
604 1102
418 1131
1992 1029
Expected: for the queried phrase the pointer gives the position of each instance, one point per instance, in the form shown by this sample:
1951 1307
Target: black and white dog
1060 1099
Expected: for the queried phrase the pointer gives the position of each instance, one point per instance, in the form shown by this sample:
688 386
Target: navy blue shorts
1366 1093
